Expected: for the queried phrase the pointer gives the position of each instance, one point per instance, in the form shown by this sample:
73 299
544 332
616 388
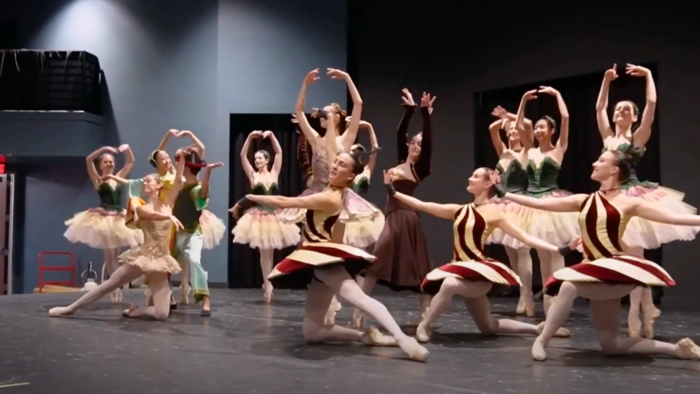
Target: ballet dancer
261 226
152 258
608 273
332 117
105 227
512 161
640 234
471 274
402 251
328 266
543 165
191 200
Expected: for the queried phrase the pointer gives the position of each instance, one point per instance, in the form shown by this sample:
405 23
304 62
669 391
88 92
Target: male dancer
190 202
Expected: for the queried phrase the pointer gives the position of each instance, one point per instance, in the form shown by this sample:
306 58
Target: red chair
72 268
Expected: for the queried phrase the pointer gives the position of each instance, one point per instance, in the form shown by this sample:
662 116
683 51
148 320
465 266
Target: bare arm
495 130
330 201
177 186
201 149
643 133
306 129
164 142
444 211
375 145
206 179
90 162
650 212
350 134
277 164
516 232
601 107
563 142
130 159
245 162
562 204
523 125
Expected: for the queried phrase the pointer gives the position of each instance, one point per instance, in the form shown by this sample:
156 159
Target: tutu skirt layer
263 229
150 259
516 214
213 229
557 228
651 235
102 229
617 270
483 270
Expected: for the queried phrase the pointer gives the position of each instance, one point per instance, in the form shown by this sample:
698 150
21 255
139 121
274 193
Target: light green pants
188 250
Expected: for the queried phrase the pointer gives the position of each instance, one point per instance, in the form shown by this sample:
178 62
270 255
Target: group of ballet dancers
517 205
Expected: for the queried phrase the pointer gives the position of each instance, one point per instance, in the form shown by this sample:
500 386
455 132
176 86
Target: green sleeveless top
110 198
361 185
542 180
260 190
514 178
188 207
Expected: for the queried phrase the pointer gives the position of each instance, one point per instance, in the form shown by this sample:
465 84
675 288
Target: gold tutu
102 229
363 233
263 229
154 255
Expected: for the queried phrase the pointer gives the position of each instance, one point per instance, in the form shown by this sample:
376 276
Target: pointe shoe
423 333
127 311
538 351
60 311
358 319
634 326
329 319
116 296
560 333
649 320
267 297
529 308
688 350
413 349
520 309
373 337
184 295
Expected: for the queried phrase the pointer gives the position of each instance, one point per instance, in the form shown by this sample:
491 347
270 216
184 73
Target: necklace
609 190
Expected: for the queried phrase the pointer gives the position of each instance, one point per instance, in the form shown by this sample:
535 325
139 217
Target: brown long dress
402 251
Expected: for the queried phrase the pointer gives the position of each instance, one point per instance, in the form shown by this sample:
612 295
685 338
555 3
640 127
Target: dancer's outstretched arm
177 186
444 211
328 201
563 204
509 228
563 141
166 139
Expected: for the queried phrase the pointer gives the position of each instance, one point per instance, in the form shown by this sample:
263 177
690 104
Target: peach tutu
262 228
557 228
150 260
102 229
516 215
213 229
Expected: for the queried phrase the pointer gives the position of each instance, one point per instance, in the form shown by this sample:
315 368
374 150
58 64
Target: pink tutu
263 229
213 229
102 229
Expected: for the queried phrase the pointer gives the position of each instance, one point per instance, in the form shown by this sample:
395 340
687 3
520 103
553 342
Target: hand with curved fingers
123 147
548 90
337 74
174 132
256 134
295 120
407 97
314 112
530 95
499 112
575 243
388 176
427 101
637 71
611 74
234 211
176 222
184 133
311 77
267 134
217 164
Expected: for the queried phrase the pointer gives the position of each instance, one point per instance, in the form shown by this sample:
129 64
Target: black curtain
585 144
244 262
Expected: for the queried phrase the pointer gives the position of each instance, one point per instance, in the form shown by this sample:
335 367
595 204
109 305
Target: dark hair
358 148
358 159
343 114
153 158
625 161
489 172
551 123
194 162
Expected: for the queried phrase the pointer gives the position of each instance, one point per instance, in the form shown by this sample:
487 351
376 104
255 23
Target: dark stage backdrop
244 262
585 143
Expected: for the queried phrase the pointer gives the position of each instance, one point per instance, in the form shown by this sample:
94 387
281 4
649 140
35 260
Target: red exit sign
2 169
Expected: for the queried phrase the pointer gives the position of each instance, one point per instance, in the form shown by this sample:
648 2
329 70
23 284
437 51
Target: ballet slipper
358 319
60 311
184 293
650 317
520 309
529 308
538 350
267 294
329 319
373 337
634 326
413 349
116 296
423 333
688 350
561 331
127 312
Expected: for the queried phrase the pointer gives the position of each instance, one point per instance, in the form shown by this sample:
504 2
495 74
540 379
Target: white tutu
263 229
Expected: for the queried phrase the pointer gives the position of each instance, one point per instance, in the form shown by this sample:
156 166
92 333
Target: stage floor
249 347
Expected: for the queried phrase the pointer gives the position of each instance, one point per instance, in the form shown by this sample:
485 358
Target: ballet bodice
626 147
168 181
405 186
514 177
110 197
602 227
361 185
260 189
320 167
470 231
542 179
156 236
318 226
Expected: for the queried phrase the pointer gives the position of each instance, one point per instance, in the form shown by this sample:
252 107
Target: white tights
474 293
368 285
641 297
123 275
550 262
605 313
521 264
266 261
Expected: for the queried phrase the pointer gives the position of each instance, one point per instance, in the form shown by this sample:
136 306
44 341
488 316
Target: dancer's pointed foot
60 311
520 309
688 350
267 295
650 317
423 333
413 349
373 337
185 294
358 319
538 350
561 331
116 296
634 326
127 312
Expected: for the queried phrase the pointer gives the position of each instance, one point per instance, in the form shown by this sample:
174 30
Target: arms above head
423 165
206 179
90 161
245 162
563 141
444 211
170 134
350 135
495 131
177 186
601 107
277 163
643 132
523 125
402 130
375 145
124 172
200 148
308 131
